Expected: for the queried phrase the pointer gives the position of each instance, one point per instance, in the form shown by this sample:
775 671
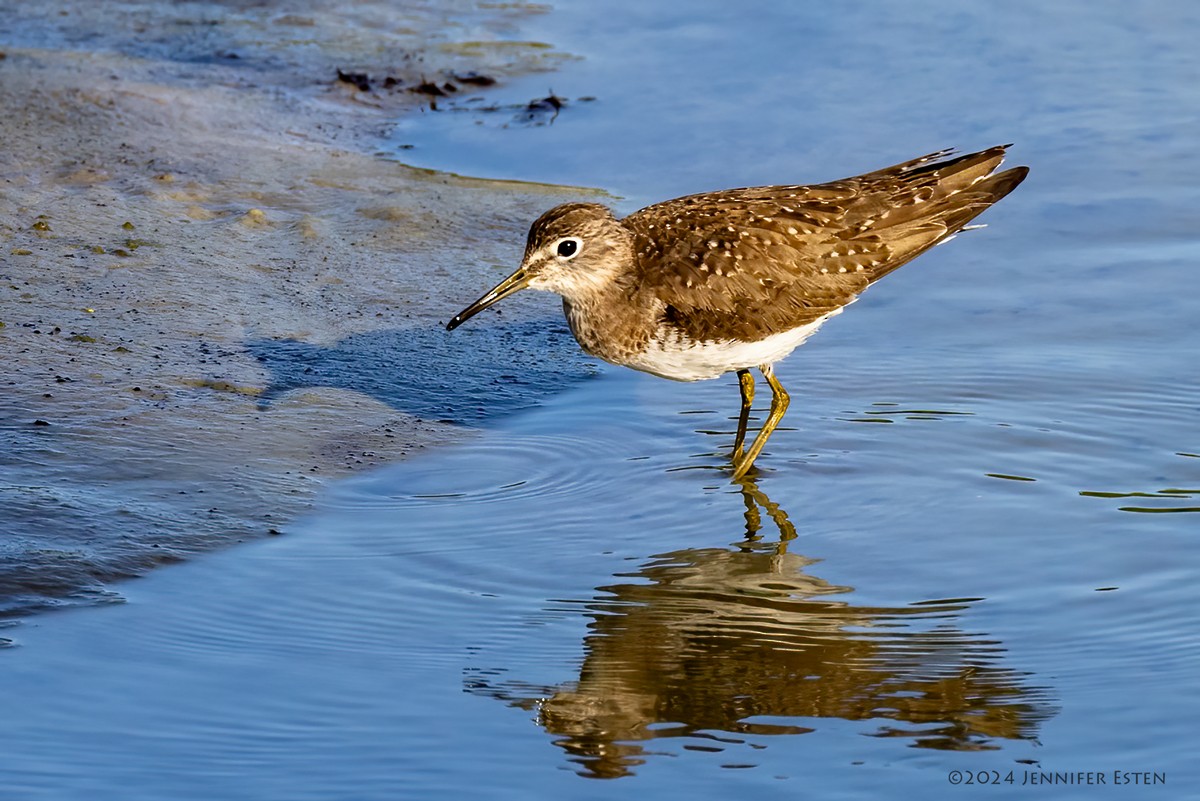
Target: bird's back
754 262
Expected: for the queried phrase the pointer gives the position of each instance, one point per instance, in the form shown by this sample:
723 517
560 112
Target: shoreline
215 294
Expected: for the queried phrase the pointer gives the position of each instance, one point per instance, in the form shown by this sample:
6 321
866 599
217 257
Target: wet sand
215 292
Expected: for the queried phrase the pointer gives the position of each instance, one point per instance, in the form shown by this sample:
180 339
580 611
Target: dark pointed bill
514 283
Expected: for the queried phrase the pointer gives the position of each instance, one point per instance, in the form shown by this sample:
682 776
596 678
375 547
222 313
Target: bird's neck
607 324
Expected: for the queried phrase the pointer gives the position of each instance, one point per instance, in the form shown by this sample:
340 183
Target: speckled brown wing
745 263
763 260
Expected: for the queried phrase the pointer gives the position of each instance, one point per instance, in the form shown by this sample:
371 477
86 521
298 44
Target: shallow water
577 591
972 548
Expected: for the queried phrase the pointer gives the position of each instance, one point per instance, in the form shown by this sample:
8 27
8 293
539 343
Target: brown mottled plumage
723 281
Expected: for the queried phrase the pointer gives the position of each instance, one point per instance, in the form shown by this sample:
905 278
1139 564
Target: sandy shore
215 293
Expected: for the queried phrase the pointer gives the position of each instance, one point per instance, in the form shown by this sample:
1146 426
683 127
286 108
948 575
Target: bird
727 281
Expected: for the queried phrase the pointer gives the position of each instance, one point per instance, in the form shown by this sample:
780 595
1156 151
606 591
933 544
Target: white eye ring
567 248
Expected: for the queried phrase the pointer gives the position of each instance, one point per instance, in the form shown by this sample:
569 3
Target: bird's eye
567 248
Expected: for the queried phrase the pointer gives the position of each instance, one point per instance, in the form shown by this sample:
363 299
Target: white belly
684 360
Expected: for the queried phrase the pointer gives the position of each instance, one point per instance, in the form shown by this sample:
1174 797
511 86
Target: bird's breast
610 331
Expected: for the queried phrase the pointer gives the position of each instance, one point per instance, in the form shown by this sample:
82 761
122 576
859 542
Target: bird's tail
938 199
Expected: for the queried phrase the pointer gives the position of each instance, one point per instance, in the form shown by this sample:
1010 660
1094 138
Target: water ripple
494 470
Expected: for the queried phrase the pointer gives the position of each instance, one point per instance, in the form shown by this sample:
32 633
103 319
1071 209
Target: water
558 598
972 548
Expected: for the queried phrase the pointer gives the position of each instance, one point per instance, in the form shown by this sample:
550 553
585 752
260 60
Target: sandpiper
720 282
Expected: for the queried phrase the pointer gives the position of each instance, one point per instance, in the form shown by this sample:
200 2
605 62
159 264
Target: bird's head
573 250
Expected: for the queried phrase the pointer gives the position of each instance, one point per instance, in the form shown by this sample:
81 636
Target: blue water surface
973 546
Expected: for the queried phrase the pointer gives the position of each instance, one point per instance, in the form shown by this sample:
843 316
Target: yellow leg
779 405
746 382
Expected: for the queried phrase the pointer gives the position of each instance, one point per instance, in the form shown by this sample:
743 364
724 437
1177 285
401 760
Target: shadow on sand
468 376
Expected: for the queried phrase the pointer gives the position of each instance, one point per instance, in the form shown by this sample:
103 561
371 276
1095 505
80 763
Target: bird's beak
514 283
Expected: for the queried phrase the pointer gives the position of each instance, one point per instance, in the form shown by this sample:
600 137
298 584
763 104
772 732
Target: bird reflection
756 502
703 643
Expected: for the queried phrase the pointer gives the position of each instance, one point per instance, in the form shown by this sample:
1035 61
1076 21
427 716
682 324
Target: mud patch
212 295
